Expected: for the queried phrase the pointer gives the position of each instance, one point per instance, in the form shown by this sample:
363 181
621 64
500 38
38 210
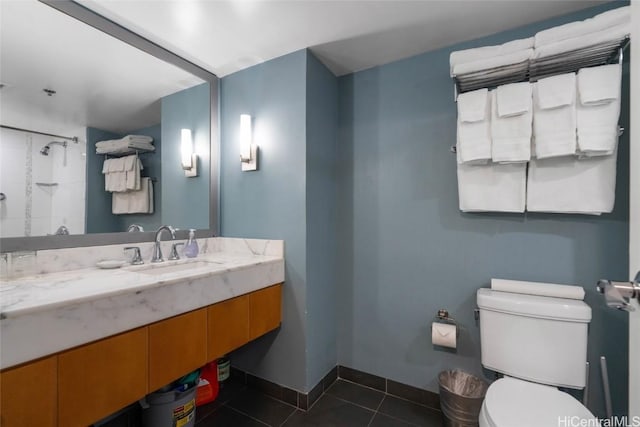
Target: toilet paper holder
443 317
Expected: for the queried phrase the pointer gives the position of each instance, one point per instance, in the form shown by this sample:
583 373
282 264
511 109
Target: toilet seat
512 402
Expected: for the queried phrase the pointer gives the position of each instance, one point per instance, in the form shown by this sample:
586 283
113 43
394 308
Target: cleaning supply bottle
191 248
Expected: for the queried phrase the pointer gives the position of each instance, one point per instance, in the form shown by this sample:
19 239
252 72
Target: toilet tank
535 338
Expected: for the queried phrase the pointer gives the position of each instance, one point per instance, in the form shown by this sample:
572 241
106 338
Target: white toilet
538 343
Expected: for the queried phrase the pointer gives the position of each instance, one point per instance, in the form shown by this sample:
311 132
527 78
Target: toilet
539 343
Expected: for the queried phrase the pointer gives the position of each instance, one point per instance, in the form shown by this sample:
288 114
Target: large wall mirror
94 132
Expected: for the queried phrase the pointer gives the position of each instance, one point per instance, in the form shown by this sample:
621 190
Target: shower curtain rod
70 138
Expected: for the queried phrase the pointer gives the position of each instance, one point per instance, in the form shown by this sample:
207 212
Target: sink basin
158 269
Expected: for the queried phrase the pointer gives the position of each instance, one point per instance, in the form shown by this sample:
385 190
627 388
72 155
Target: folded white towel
572 185
474 127
130 202
473 106
603 21
556 91
133 166
115 182
511 135
554 129
599 85
599 109
493 62
478 53
513 99
611 35
492 188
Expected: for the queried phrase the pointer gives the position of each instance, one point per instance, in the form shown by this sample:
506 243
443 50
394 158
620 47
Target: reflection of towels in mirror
130 202
122 174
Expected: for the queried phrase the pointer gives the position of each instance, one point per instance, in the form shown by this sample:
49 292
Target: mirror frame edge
99 22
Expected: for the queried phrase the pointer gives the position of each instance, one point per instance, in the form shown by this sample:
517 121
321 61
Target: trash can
461 396
169 408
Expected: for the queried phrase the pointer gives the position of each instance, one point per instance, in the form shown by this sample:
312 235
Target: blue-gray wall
270 203
322 238
98 202
185 201
406 250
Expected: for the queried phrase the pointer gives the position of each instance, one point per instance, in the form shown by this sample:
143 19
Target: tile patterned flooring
343 404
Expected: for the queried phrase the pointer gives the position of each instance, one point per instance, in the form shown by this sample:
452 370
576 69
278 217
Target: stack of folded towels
565 127
124 145
131 193
488 59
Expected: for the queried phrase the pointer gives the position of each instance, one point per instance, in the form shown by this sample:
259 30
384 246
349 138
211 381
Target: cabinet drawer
228 326
177 346
265 308
29 394
97 379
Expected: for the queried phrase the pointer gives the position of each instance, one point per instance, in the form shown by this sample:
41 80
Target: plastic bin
170 408
461 396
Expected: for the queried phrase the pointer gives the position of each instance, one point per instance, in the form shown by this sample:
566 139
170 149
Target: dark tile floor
343 404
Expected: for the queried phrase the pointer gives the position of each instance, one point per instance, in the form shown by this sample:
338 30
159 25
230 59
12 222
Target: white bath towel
479 53
474 127
492 188
603 21
572 185
510 136
599 109
115 177
131 202
611 35
493 62
554 129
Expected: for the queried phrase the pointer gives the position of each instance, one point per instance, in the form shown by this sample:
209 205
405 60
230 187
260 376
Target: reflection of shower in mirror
46 148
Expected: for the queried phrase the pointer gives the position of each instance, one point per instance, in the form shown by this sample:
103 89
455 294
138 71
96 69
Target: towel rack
536 69
127 152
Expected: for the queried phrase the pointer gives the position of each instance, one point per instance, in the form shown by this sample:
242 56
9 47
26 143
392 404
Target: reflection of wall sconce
189 157
248 150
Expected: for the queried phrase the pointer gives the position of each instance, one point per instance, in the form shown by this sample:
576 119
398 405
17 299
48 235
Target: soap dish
110 263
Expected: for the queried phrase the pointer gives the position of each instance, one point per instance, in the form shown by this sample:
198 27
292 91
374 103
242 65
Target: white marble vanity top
45 313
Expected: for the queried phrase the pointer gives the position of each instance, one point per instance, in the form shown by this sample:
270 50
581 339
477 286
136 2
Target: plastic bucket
461 397
169 408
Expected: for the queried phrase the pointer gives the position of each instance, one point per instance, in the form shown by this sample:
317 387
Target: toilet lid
510 402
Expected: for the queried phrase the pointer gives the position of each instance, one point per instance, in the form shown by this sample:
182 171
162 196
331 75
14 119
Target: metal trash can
461 396
170 408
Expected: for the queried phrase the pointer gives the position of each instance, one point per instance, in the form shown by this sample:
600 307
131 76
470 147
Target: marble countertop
45 313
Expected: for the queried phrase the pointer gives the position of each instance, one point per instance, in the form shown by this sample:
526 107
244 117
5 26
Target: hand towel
510 136
556 91
599 109
132 168
473 127
599 85
603 21
130 202
513 99
493 62
478 53
554 129
572 185
491 188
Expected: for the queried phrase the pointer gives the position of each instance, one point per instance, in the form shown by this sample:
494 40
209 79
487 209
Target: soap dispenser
191 248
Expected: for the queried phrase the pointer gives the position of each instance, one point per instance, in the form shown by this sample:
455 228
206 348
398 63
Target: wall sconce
189 157
248 150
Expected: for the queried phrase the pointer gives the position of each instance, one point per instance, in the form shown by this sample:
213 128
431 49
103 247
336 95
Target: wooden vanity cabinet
97 379
228 326
28 394
265 310
177 346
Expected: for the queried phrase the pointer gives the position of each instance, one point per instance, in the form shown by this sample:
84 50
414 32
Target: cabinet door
265 310
228 326
97 379
28 394
177 346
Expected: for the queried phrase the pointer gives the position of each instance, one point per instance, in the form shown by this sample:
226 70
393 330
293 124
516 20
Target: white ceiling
225 36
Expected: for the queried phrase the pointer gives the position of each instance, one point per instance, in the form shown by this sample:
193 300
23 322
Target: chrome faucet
134 227
157 252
